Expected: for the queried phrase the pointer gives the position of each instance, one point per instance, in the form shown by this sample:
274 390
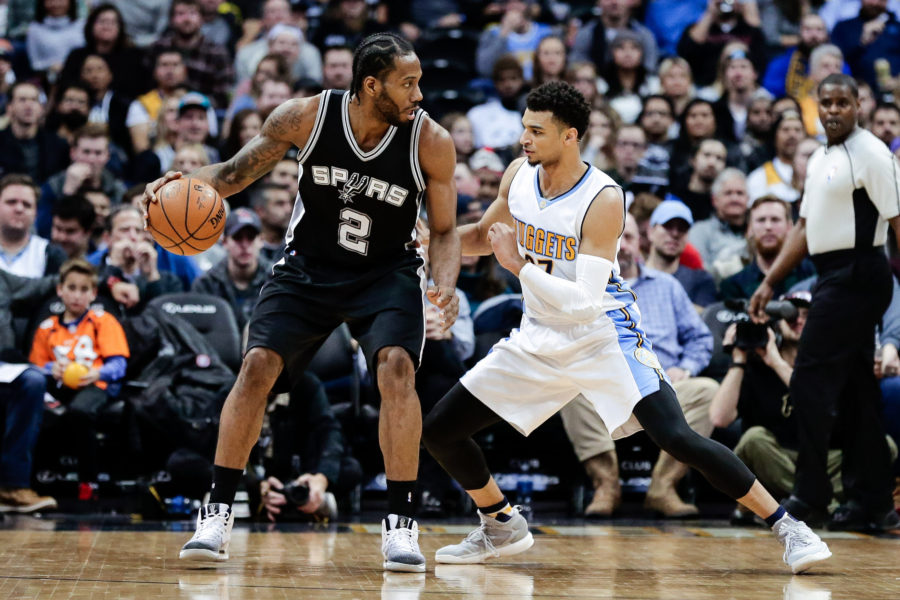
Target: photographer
305 460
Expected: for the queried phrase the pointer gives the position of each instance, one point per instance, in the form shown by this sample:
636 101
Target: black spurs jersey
354 208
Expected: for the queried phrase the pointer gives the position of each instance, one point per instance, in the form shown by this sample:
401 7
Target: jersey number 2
355 228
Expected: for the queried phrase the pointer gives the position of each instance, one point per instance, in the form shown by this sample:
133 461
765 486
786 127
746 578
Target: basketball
73 373
188 217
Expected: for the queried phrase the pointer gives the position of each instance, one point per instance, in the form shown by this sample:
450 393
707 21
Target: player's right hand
152 188
758 302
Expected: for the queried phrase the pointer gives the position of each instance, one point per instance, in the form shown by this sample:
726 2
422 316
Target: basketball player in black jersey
366 158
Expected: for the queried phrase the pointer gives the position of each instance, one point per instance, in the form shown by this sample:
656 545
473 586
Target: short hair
116 211
706 140
564 102
163 50
90 131
192 3
674 61
375 56
507 62
77 265
643 206
20 179
23 83
840 79
660 97
336 48
820 52
882 105
771 199
72 85
135 190
727 174
76 207
258 195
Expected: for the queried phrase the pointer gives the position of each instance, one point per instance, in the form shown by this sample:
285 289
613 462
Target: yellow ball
73 373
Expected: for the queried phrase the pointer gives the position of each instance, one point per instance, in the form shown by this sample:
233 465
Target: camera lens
296 493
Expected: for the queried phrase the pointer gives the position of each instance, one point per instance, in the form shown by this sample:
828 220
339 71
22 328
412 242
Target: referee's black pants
834 389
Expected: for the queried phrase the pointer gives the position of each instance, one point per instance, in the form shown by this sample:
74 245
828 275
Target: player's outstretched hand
503 240
447 301
152 188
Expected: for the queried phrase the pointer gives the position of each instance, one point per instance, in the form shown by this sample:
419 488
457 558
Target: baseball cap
486 159
240 218
671 209
799 298
625 35
193 100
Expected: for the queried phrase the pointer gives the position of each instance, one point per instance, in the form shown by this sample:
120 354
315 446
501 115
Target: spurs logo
355 185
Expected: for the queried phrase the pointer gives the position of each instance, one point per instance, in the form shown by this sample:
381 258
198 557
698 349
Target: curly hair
375 56
565 103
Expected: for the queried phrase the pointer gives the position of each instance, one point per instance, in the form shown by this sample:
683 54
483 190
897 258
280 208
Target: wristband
738 365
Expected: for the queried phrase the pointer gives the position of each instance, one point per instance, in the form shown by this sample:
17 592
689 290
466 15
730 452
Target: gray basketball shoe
492 539
400 544
210 541
802 547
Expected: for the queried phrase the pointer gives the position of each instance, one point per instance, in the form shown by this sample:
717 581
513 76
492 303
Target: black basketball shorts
298 309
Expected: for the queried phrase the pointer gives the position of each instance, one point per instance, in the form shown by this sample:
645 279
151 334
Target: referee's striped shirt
851 190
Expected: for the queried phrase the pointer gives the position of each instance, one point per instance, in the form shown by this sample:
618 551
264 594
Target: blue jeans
22 407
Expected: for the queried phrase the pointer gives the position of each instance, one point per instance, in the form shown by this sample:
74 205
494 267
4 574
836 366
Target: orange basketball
188 218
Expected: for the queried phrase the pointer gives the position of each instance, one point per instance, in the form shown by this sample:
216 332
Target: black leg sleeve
663 420
447 434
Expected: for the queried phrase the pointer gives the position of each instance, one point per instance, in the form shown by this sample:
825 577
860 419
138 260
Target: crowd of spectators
703 110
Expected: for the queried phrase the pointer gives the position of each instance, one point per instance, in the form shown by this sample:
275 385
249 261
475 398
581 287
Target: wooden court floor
703 560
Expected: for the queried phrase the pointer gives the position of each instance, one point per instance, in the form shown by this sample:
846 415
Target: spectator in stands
25 146
776 177
71 111
667 19
145 20
285 174
73 222
308 448
706 164
886 122
128 122
631 143
22 252
702 43
609 18
656 119
89 155
274 13
825 60
91 338
216 28
304 60
516 34
626 78
488 168
498 122
131 257
583 77
460 129
346 23
170 75
270 66
600 139
549 60
240 276
105 35
871 36
753 149
697 123
273 93
7 75
192 127
55 31
684 345
788 73
189 158
102 207
244 126
755 389
676 82
668 236
768 222
209 67
867 102
22 406
274 205
739 80
723 232
337 68
801 158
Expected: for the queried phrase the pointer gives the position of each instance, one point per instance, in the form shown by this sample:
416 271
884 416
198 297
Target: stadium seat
211 316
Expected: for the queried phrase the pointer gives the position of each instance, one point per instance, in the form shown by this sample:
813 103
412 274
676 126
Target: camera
297 494
750 335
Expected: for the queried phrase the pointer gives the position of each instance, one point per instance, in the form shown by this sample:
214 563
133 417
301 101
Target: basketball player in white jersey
556 224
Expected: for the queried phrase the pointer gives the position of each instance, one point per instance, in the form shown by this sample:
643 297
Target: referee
852 192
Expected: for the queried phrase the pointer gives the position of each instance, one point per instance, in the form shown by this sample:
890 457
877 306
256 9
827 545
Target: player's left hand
444 298
503 240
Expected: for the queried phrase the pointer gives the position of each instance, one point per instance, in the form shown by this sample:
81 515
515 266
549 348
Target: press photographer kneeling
756 390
